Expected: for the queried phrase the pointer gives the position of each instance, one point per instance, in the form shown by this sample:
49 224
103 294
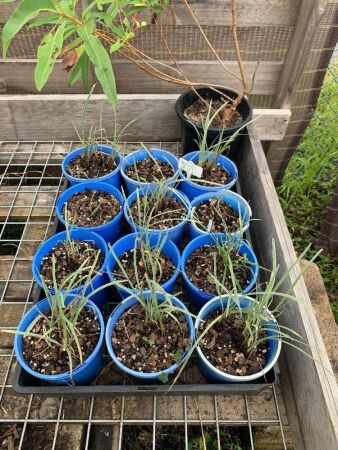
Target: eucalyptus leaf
48 51
77 70
99 57
85 71
52 19
26 10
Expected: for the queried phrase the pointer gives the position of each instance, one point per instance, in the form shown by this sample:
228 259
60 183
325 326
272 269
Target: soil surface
144 346
10 435
223 216
200 267
224 346
150 170
165 268
197 113
159 213
68 259
213 175
92 165
52 360
91 208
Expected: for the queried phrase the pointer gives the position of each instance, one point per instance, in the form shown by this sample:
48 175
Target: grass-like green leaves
150 261
221 143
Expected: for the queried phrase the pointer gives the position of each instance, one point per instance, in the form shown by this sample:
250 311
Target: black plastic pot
189 134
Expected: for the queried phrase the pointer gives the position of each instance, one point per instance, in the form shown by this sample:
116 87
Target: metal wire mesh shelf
30 183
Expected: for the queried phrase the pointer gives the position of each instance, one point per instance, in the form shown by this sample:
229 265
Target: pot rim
227 186
59 377
67 159
209 296
156 230
36 269
188 92
134 235
219 193
236 378
147 375
105 187
125 164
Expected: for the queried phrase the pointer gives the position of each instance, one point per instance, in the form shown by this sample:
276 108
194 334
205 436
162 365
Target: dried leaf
69 60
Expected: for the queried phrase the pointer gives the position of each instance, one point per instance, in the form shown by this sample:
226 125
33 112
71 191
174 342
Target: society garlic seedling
222 220
156 311
161 179
228 263
220 145
269 303
62 320
150 263
148 208
260 318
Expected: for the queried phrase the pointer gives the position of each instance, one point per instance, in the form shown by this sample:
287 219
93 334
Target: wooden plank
156 115
218 12
311 383
18 76
309 17
250 12
35 202
306 29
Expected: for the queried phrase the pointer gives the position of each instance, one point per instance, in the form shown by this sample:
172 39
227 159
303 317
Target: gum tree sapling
103 27
81 35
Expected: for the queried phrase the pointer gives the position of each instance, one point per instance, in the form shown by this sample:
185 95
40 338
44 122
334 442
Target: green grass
310 180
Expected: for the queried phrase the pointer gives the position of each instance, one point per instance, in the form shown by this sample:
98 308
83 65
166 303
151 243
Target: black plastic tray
112 381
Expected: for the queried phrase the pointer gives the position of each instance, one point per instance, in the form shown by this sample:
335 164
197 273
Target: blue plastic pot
113 178
140 155
174 233
199 298
83 374
110 231
129 242
274 344
113 319
238 203
193 189
97 281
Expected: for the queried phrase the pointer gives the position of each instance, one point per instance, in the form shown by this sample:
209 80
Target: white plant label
190 168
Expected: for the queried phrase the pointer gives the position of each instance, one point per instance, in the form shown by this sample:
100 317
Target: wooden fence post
308 20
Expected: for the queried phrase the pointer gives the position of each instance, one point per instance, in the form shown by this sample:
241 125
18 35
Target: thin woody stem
246 88
208 42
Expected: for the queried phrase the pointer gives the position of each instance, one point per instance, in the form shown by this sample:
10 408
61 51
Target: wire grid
269 43
30 183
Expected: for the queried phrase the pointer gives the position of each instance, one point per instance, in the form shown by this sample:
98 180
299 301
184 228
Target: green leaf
164 378
99 57
47 53
75 43
26 11
85 71
48 19
114 47
178 355
77 70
